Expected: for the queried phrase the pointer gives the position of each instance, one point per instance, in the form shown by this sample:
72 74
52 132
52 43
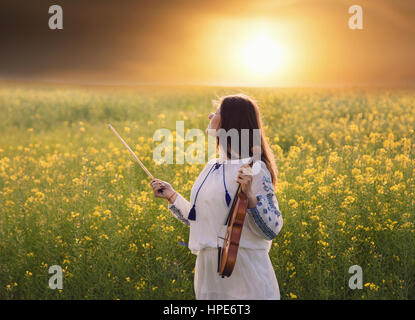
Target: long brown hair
239 111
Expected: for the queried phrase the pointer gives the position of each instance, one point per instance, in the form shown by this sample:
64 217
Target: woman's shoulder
261 176
209 165
212 161
260 168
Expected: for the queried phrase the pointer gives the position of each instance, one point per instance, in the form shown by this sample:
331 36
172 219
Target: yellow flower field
70 195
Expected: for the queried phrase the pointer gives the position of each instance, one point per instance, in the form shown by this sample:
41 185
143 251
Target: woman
253 276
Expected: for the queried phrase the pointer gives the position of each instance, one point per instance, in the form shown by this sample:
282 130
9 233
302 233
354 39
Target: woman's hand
163 189
245 179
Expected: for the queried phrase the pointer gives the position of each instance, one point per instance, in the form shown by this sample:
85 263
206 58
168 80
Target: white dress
253 276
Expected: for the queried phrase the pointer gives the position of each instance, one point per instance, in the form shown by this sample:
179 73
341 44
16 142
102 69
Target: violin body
236 218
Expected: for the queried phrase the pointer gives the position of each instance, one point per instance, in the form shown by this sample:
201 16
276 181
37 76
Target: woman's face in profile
214 120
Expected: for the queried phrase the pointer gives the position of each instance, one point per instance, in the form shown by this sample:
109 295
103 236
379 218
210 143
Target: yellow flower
292 203
371 286
347 201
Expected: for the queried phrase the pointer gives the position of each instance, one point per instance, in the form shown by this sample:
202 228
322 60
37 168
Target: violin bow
131 152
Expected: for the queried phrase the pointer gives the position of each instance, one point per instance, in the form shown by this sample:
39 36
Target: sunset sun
261 54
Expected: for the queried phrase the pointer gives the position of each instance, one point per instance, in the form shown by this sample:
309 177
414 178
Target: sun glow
261 54
252 52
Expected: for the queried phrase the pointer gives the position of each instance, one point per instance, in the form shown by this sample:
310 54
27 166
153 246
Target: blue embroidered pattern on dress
267 205
269 234
179 215
271 205
267 183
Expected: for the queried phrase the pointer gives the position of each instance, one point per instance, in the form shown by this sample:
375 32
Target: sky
228 42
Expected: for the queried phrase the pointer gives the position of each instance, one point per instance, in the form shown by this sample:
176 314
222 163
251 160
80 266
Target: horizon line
347 85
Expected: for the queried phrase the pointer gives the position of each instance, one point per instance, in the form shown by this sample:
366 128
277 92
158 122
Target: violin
235 221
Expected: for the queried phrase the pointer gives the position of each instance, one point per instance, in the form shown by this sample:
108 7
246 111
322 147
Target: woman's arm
263 215
180 208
